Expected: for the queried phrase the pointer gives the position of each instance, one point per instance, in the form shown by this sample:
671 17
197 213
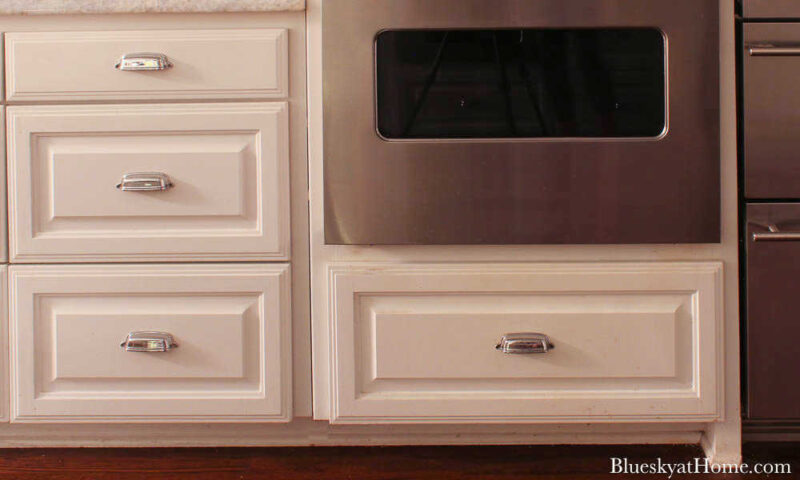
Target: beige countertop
33 7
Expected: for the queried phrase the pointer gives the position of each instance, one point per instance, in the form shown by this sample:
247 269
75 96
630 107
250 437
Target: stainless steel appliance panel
771 106
755 9
662 189
773 303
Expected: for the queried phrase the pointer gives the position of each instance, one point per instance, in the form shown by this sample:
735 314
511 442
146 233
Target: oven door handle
767 50
774 234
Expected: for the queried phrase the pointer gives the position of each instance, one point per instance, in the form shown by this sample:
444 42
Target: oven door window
529 83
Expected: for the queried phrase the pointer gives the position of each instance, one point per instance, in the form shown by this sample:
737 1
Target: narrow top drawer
771 9
210 64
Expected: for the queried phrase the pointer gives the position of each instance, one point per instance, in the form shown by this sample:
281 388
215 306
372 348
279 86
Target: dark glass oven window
528 83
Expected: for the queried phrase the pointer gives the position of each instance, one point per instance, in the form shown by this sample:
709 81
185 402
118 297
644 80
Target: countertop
33 7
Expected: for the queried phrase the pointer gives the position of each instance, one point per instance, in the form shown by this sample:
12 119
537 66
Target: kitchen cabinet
225 193
157 170
417 343
200 64
232 360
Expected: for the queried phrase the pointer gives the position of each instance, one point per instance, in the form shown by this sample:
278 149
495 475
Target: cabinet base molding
307 432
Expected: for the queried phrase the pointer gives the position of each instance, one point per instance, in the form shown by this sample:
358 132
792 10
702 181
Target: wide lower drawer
224 194
159 64
231 325
773 352
417 343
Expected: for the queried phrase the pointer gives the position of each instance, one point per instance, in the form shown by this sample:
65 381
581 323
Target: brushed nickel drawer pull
148 342
143 62
774 234
772 51
145 182
524 343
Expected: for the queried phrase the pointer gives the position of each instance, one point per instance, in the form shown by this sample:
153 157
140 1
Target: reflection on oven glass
520 83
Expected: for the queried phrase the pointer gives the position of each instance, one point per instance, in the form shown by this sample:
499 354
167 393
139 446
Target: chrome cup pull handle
148 342
145 182
143 62
524 343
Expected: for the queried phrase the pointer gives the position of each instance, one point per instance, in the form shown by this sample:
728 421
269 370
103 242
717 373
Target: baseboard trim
305 432
770 431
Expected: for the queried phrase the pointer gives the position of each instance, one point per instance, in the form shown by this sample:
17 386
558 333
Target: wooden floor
439 463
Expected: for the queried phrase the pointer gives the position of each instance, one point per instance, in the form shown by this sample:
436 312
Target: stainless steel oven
521 121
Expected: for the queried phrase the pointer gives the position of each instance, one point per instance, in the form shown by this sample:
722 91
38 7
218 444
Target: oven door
521 122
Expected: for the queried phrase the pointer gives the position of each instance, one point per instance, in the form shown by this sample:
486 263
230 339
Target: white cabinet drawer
632 342
228 165
232 326
204 64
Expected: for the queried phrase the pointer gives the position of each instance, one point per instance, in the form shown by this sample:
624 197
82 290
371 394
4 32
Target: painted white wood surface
634 342
294 23
232 324
5 395
3 198
207 64
229 164
722 441
217 434
304 431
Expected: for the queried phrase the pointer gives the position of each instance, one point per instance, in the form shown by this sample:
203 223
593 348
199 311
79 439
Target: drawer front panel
631 342
231 325
214 180
204 337
773 352
204 64
469 327
771 9
771 103
227 164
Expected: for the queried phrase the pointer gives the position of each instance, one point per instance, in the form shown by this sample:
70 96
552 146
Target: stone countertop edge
65 7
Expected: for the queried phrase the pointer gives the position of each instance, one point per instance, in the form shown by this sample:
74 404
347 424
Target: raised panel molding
229 164
4 358
232 324
635 342
203 66
3 197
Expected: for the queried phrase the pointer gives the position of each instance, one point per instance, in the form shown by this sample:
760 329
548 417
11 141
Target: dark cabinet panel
773 311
